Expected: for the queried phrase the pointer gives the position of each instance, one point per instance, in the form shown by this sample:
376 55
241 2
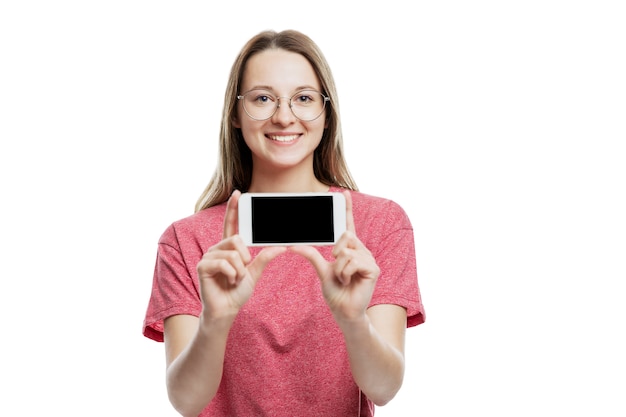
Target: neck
285 181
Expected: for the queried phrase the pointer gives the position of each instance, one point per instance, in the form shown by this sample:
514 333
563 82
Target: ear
235 122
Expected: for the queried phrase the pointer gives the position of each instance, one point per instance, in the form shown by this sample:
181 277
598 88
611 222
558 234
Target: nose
283 114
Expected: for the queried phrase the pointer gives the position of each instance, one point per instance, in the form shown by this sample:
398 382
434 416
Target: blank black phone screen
292 219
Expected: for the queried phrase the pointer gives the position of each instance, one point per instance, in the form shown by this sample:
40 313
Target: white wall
498 126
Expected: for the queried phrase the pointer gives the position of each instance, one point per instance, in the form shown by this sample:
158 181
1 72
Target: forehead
279 70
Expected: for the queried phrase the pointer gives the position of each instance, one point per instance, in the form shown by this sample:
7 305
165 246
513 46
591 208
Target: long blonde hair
234 165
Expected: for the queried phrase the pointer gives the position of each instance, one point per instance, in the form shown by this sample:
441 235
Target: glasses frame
278 98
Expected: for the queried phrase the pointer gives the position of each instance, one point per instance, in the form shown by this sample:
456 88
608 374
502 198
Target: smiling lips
283 138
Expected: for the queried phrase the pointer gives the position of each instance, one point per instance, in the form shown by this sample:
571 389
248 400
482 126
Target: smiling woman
497 126
290 138
321 329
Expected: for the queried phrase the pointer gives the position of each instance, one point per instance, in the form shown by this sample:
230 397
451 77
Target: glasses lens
259 104
308 105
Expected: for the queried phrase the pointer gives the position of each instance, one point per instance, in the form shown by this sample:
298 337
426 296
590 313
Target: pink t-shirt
285 354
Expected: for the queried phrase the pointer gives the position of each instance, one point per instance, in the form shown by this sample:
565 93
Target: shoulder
381 210
202 227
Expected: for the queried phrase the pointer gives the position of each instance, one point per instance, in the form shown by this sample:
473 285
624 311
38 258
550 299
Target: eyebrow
269 88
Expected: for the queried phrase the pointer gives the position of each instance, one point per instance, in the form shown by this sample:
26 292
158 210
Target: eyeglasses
306 105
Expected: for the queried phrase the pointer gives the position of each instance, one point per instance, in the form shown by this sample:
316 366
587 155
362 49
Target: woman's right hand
227 272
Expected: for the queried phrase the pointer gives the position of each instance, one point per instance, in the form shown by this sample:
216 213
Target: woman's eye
304 98
263 99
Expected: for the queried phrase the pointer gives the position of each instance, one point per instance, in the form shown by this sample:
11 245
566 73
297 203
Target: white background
498 126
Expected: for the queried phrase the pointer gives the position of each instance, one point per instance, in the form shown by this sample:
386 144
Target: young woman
283 331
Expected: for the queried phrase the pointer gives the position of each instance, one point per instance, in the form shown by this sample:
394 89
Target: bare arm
374 336
194 351
375 344
195 347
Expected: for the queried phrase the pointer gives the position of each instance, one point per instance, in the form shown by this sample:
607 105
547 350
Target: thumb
231 216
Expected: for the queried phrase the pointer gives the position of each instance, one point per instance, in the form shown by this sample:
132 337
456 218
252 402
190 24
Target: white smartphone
272 219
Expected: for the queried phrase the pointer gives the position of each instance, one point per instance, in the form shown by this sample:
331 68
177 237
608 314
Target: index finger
231 217
349 217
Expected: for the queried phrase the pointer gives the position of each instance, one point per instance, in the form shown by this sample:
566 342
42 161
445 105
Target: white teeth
284 138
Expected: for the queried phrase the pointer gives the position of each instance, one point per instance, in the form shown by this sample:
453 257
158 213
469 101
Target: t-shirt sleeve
395 255
174 288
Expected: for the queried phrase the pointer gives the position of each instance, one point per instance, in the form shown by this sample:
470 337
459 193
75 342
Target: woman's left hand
348 282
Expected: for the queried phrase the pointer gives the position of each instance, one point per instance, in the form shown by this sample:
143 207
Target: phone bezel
245 217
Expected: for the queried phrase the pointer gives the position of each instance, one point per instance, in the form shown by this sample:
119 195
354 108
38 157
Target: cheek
244 123
317 128
250 132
